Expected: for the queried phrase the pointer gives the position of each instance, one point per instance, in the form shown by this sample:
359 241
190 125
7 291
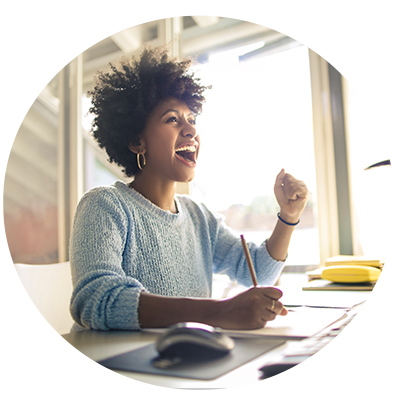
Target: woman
142 256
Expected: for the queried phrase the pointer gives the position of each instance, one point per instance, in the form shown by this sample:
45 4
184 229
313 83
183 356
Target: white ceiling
20 29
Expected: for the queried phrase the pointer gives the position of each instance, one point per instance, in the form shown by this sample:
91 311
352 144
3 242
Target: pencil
249 262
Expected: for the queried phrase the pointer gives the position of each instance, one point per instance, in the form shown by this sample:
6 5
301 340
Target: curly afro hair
124 97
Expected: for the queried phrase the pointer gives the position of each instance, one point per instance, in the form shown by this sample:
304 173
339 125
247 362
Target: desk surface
61 362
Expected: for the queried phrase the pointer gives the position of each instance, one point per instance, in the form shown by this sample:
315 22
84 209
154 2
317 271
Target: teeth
187 148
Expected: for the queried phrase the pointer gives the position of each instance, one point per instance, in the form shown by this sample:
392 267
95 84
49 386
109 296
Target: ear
140 148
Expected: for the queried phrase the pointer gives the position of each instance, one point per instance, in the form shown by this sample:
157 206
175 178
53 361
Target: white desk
61 362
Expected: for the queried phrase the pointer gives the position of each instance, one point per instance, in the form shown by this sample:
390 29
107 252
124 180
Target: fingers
280 310
294 188
280 178
292 195
251 309
271 292
276 307
272 305
284 311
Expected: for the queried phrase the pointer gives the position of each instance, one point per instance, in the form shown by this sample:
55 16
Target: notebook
299 323
322 284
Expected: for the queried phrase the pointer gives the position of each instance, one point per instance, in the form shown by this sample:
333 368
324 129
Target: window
257 120
260 42
30 186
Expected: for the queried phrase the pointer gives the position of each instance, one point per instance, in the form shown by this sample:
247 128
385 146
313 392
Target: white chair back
50 288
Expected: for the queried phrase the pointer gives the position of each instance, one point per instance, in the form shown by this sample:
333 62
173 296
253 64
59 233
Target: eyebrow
175 111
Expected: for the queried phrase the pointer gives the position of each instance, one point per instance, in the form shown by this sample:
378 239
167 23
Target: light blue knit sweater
122 244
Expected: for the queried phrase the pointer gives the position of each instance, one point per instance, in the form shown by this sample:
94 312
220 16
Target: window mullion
328 225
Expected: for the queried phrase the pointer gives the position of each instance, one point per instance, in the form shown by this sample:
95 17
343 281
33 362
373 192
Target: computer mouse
193 341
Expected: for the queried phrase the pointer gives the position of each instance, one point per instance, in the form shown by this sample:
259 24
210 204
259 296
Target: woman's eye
175 119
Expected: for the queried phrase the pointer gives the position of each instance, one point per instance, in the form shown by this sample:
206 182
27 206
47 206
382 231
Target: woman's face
170 142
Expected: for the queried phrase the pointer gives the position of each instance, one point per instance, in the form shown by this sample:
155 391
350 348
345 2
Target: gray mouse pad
140 360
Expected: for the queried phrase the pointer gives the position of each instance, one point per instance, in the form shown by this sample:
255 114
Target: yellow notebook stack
345 273
354 260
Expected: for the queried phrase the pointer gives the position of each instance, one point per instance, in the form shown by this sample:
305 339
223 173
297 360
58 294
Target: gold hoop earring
138 161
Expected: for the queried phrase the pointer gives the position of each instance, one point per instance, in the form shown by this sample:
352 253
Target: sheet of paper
323 298
299 323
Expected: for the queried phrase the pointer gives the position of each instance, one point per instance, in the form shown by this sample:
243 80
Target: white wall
368 143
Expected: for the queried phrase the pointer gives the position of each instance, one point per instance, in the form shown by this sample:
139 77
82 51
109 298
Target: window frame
324 158
38 51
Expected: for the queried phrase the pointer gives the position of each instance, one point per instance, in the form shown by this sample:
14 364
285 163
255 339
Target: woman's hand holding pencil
251 309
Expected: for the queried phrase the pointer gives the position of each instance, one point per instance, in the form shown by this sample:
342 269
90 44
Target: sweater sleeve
229 258
103 297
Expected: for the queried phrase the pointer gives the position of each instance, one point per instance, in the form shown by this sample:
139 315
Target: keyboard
366 328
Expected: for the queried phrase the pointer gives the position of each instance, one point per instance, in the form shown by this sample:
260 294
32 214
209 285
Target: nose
189 130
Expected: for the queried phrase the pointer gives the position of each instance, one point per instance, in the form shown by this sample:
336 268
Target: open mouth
187 153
